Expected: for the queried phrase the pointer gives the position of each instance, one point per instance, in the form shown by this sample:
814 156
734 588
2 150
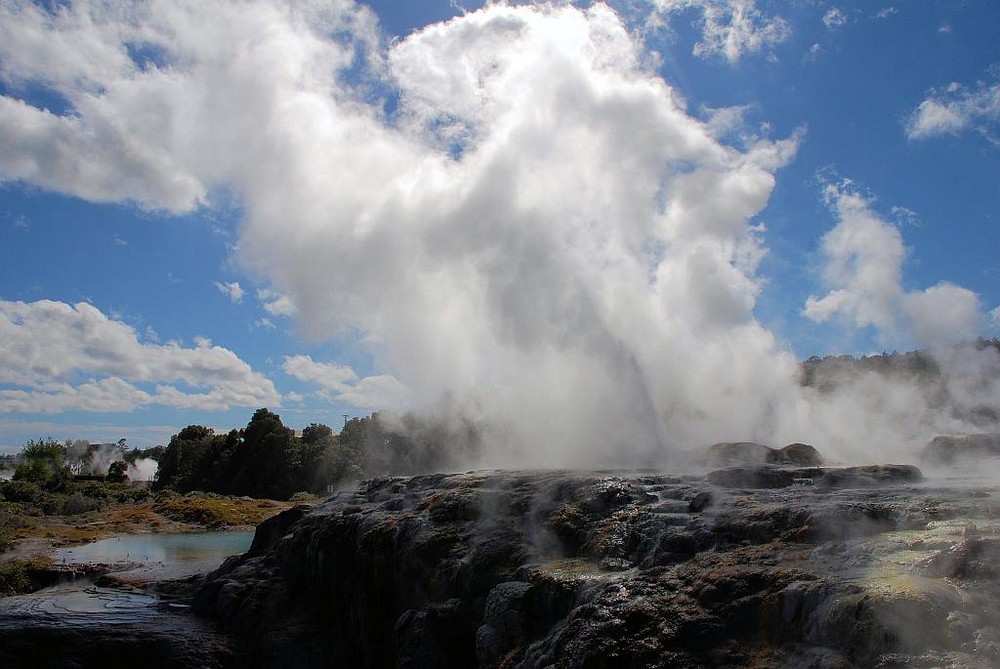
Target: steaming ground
525 223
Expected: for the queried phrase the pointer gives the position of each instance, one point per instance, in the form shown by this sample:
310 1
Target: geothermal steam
519 216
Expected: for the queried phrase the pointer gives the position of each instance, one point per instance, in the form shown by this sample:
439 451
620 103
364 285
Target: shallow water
157 556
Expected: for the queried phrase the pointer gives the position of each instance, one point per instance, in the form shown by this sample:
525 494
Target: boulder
802 455
950 450
744 453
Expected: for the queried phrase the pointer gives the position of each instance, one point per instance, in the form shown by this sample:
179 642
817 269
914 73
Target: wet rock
751 477
745 453
950 450
700 501
100 627
802 454
742 567
275 527
870 475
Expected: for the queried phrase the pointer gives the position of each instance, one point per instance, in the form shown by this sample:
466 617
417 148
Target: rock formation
754 565
949 450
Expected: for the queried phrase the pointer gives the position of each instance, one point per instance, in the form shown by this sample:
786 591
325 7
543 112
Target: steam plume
518 214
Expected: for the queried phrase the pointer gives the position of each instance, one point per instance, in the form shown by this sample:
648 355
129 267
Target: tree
117 472
43 463
308 455
182 460
267 444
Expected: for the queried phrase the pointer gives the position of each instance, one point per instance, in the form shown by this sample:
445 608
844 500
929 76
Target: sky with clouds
522 213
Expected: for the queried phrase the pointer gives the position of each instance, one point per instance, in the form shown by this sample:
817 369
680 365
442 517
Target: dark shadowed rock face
834 568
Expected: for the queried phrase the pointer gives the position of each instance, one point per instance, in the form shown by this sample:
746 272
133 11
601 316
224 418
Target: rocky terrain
769 560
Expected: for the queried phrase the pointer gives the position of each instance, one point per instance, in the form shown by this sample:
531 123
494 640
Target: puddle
160 556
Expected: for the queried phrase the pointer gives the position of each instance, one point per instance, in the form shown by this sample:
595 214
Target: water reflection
157 556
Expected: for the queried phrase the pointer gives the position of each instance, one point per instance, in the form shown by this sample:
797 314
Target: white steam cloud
537 231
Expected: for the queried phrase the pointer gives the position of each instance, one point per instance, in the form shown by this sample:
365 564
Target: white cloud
834 18
232 290
863 268
886 12
326 375
377 393
59 357
276 304
730 28
955 109
813 53
142 131
341 383
942 314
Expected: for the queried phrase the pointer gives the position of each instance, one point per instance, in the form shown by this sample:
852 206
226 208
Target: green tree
182 461
262 462
43 463
117 472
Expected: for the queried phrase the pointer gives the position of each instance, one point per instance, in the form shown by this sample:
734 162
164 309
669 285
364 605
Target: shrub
78 503
33 498
302 497
14 578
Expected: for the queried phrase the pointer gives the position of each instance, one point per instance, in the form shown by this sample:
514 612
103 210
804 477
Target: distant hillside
962 378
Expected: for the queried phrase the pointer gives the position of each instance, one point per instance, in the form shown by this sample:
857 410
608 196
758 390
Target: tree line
267 459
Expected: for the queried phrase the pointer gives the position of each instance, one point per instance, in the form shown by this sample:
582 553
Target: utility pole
345 418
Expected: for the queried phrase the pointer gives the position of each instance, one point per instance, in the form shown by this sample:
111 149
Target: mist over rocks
962 449
576 569
751 453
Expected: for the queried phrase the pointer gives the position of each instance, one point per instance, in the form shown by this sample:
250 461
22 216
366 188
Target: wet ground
78 623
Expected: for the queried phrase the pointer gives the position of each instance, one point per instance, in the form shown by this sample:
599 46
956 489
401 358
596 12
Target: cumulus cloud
863 256
232 290
730 28
341 383
330 376
955 109
57 357
138 128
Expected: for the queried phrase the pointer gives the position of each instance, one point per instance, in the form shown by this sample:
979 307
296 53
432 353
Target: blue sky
329 208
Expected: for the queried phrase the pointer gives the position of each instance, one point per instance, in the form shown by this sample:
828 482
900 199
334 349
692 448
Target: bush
302 497
78 503
32 498
10 520
111 493
14 578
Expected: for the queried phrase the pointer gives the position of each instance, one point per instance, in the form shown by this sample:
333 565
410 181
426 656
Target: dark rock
751 477
515 569
745 453
945 450
870 475
802 454
275 527
700 501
